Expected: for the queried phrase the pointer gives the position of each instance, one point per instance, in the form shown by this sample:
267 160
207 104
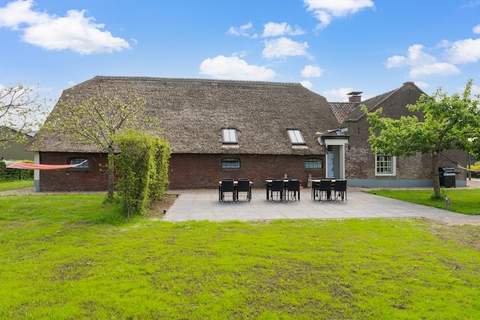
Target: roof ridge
205 80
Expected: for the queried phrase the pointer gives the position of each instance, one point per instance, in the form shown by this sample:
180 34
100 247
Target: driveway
204 205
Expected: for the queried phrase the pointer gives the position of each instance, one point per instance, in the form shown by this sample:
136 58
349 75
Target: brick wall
186 171
93 179
360 161
201 171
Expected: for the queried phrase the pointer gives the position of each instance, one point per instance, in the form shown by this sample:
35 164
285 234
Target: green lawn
70 257
15 184
465 201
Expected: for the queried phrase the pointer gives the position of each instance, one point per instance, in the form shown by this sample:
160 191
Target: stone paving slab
204 205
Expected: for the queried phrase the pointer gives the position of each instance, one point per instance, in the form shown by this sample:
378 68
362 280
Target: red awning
34 166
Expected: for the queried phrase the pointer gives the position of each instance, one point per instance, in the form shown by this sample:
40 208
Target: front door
331 159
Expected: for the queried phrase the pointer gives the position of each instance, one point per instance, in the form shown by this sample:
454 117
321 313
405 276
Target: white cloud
273 29
20 12
437 68
74 31
476 29
421 64
464 51
326 10
222 67
339 94
396 62
422 85
284 47
475 90
307 84
310 71
245 30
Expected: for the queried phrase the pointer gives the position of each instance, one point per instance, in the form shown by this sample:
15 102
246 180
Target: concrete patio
204 205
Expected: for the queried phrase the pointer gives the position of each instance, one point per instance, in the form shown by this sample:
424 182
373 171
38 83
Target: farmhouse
240 129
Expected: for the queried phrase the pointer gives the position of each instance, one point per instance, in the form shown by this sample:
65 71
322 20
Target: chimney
355 96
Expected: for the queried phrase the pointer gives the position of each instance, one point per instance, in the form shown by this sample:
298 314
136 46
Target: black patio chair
226 186
293 189
244 186
315 187
278 188
324 190
340 189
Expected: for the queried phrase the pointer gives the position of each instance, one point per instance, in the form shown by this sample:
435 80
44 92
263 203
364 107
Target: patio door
335 156
331 163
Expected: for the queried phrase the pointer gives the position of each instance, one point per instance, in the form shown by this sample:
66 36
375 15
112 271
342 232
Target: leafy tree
20 112
438 123
97 118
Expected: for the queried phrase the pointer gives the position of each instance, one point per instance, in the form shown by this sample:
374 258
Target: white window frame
296 137
394 167
229 136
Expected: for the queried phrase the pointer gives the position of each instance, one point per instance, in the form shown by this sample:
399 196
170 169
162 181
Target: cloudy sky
331 46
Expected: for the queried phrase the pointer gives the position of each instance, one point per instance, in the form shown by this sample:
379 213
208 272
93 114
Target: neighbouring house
241 129
15 146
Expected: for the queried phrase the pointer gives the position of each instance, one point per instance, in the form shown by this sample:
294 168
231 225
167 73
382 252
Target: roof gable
347 111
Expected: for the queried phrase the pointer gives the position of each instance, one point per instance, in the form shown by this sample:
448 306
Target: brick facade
360 160
93 179
204 171
187 171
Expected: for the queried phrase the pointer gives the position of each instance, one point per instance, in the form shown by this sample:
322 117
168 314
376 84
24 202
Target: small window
312 164
231 164
295 137
229 136
83 163
385 165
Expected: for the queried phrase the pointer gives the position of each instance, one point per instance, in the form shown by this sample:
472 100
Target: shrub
14 174
141 169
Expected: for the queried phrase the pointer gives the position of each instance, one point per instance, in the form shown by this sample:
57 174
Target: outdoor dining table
329 192
235 186
268 184
235 182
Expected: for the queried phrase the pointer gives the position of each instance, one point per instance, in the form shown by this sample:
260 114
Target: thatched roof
191 114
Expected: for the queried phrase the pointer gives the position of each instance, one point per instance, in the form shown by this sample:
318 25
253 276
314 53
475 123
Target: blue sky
368 45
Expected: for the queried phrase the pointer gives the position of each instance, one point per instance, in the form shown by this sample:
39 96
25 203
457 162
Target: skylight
296 137
229 136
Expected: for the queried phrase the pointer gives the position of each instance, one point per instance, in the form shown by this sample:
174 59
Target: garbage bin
448 177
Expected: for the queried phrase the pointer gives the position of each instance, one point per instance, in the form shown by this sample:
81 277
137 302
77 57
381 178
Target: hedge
141 169
14 174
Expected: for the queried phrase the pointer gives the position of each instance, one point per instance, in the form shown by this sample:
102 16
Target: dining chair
226 186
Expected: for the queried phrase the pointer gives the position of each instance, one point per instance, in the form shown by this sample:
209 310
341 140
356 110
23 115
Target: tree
20 112
438 123
97 118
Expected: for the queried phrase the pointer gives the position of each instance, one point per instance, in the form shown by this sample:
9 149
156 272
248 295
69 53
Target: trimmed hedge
141 169
14 174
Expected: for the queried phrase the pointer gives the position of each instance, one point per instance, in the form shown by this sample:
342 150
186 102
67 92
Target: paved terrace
204 205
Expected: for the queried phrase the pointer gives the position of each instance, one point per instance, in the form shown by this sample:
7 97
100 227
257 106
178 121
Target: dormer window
229 136
296 137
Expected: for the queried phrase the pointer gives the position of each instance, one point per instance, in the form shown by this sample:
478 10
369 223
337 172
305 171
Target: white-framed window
313 164
229 136
296 137
385 165
230 164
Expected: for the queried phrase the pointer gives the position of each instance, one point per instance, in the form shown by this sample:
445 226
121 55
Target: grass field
15 184
70 257
466 201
